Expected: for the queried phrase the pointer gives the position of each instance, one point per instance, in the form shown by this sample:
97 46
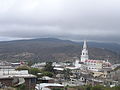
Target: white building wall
77 64
13 72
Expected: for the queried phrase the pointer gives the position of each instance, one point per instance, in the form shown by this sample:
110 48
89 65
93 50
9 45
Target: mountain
52 49
110 46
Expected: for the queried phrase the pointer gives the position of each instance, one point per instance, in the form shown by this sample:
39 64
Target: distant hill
52 49
110 46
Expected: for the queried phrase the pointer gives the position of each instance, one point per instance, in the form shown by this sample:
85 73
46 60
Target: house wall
45 81
29 82
7 82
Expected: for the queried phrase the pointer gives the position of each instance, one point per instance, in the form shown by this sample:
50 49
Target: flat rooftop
19 76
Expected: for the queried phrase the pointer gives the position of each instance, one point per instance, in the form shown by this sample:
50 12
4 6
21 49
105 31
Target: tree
34 71
49 67
57 89
67 73
50 74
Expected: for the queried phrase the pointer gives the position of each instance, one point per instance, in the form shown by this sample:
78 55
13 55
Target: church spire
84 55
85 45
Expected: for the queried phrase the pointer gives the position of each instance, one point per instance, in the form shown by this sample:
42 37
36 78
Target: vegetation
23 67
117 68
98 87
49 67
34 71
67 73
47 71
88 87
21 87
57 89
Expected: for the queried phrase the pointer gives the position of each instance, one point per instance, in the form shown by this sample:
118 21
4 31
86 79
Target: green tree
49 67
57 89
50 74
34 71
67 73
30 63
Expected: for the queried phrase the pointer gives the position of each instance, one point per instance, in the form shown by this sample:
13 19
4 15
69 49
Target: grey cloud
68 19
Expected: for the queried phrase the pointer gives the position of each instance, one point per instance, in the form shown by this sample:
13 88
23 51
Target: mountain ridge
52 49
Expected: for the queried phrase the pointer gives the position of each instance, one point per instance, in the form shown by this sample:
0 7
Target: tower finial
85 45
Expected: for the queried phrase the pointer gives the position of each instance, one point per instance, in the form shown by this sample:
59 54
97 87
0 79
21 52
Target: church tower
84 55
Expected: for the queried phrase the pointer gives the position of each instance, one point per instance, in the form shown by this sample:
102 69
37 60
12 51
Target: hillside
51 49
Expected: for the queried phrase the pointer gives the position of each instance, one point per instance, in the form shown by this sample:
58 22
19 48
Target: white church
93 65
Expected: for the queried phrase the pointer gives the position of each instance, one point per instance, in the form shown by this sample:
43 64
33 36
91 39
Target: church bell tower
84 55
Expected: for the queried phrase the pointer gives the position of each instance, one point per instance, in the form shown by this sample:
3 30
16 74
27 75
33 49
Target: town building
16 78
48 86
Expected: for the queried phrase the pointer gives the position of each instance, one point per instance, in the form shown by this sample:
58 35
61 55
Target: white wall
13 72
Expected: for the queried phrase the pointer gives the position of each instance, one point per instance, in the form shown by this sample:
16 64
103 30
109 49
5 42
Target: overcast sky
67 19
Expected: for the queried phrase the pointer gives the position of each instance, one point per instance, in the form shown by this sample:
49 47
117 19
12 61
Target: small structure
39 65
16 78
45 79
48 86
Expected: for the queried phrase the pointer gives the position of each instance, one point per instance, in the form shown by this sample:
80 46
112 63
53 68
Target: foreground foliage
89 87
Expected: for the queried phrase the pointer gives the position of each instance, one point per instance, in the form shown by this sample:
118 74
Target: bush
45 73
57 89
98 87
116 88
21 87
88 87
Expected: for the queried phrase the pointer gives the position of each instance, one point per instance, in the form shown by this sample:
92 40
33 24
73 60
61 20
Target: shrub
98 87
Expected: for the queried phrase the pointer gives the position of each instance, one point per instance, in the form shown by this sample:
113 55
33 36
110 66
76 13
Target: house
45 79
16 78
48 86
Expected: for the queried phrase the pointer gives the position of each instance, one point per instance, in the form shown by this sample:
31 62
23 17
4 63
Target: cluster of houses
9 76
78 73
